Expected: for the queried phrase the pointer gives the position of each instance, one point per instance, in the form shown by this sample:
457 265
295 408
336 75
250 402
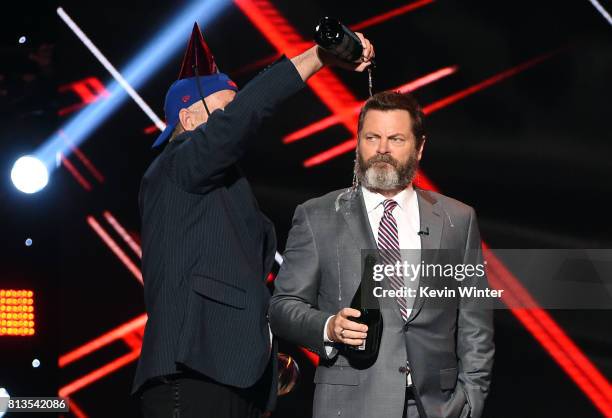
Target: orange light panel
17 313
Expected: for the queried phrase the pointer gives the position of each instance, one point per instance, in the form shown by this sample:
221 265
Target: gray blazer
450 350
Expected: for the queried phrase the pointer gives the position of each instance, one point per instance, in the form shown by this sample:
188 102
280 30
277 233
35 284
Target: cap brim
163 137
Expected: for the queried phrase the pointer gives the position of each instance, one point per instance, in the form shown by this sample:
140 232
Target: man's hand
340 329
313 59
361 64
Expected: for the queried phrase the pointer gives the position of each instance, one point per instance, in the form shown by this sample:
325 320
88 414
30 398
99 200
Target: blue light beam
136 73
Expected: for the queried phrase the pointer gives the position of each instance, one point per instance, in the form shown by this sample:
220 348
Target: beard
384 173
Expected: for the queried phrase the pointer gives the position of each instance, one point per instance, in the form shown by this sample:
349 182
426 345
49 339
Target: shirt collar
373 200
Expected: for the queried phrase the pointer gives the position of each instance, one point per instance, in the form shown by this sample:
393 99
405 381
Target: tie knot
389 205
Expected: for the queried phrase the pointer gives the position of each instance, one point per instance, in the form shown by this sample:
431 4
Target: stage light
22 40
172 38
601 10
28 242
4 397
17 313
36 363
29 174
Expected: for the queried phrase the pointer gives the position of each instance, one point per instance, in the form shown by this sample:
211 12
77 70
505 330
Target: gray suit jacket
449 349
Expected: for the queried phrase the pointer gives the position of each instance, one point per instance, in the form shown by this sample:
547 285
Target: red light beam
133 341
440 104
255 65
123 233
103 340
333 152
75 173
314 359
343 147
334 119
89 90
115 248
376 20
99 373
554 340
81 156
76 410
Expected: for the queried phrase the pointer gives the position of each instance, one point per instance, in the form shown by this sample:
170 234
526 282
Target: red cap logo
231 83
185 99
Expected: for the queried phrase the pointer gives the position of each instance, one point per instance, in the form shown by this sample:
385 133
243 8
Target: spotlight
22 40
35 363
4 397
28 242
29 174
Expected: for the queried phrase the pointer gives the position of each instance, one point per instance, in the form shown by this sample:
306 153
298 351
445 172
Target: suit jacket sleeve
475 346
293 308
199 159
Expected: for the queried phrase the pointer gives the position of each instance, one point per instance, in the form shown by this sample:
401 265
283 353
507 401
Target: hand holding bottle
342 329
341 47
359 65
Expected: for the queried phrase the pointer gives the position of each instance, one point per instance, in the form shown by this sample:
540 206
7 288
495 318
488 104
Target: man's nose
383 146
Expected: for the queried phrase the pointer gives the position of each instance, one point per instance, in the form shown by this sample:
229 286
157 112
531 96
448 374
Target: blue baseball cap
184 92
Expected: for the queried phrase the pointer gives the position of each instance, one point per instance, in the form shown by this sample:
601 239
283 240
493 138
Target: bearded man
433 361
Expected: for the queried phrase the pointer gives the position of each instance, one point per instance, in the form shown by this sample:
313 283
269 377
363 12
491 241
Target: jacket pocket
336 376
448 378
219 291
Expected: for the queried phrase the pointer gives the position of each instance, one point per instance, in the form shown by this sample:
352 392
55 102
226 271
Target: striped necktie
388 245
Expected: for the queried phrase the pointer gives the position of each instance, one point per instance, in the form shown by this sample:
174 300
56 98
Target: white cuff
330 350
325 337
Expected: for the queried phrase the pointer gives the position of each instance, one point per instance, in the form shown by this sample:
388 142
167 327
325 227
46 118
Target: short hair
393 100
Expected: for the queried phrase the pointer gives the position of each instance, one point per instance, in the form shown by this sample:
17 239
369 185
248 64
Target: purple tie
388 245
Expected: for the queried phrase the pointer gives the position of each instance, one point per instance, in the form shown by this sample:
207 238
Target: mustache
381 158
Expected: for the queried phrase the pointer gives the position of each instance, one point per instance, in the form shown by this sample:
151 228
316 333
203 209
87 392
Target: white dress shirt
406 214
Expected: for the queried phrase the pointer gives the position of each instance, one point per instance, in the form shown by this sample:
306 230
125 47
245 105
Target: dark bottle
338 40
365 302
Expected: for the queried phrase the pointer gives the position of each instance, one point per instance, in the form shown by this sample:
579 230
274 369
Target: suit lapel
354 236
354 213
431 222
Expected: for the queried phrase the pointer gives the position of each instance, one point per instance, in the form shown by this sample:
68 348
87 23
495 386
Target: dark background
531 154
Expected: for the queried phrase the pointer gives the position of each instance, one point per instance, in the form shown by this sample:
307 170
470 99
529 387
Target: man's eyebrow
396 134
371 133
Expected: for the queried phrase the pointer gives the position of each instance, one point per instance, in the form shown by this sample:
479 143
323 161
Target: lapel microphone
426 232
